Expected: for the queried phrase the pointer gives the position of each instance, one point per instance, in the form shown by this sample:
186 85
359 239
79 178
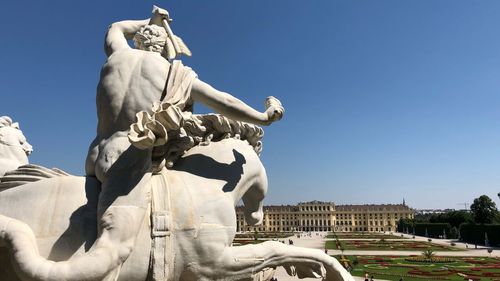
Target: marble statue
157 202
14 149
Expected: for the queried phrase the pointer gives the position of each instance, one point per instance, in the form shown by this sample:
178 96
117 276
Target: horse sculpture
202 219
158 202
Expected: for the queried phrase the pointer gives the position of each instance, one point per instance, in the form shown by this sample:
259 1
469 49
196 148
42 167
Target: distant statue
162 183
14 149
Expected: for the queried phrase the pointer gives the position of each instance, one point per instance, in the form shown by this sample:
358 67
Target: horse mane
28 173
216 127
201 130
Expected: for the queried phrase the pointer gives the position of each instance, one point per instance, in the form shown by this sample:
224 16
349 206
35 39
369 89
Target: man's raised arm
232 107
119 32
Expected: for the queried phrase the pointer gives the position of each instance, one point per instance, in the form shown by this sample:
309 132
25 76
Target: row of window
340 216
316 208
359 223
339 228
346 229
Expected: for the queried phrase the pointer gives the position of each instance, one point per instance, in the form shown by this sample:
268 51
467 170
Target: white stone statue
162 183
14 149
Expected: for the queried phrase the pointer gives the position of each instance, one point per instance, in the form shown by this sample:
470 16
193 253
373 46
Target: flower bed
432 260
387 245
457 268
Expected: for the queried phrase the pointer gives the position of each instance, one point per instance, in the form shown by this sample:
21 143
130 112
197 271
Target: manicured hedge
474 233
434 230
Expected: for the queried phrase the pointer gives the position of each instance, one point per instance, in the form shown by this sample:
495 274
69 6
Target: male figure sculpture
131 81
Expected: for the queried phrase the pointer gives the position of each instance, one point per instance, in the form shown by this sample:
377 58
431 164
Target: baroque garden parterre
451 268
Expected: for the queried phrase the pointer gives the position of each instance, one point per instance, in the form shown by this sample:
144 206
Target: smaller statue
14 149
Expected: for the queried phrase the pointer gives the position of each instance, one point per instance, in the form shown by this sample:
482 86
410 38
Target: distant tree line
480 225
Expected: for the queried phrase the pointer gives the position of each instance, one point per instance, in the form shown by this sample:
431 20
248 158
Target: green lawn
388 245
240 242
249 237
393 267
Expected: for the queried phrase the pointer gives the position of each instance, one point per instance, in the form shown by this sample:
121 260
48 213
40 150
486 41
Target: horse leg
253 197
243 262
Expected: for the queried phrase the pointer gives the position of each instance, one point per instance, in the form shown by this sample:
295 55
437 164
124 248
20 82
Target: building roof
316 202
274 207
372 207
338 208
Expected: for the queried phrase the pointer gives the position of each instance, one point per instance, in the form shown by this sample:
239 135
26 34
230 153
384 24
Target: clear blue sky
384 99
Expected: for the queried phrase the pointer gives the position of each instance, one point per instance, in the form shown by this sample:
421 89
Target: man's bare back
131 81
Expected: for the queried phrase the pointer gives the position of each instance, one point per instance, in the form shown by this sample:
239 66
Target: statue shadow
205 166
82 228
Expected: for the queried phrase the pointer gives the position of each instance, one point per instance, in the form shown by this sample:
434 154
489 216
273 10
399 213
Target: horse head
14 149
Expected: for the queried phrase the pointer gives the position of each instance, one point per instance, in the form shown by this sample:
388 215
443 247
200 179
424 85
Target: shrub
433 230
475 233
428 255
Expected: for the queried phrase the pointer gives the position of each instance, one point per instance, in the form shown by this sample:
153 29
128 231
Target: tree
454 218
484 210
405 224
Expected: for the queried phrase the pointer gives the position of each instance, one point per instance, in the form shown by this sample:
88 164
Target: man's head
151 38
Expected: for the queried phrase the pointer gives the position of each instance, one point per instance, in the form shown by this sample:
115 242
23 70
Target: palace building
326 216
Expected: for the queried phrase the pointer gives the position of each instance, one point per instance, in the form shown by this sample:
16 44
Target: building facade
326 216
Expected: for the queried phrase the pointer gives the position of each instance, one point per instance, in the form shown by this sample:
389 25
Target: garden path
315 241
471 251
